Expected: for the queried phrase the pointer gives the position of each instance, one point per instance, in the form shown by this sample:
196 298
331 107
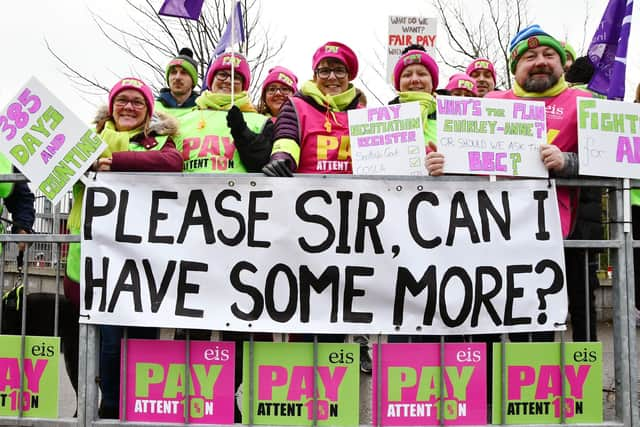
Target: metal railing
619 245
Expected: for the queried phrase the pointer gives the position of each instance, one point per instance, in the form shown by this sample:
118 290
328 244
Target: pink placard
156 381
410 392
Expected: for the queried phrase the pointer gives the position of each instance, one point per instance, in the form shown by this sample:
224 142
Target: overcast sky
361 24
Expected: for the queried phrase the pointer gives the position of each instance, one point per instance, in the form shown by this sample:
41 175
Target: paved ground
605 334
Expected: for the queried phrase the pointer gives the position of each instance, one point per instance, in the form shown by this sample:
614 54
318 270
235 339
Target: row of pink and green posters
411 385
534 383
40 379
157 379
410 392
284 384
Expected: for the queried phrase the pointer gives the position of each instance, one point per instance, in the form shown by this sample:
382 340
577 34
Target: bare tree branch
151 40
486 33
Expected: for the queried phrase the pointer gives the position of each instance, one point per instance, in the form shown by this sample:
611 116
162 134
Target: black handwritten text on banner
322 255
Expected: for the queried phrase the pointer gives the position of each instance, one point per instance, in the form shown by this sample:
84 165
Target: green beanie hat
570 50
531 38
186 61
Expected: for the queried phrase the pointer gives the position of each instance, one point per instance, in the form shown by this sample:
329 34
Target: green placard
41 375
283 384
534 383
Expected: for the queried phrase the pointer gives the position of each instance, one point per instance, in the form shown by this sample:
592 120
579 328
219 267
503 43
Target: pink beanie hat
281 75
482 64
462 81
415 57
223 62
135 84
339 51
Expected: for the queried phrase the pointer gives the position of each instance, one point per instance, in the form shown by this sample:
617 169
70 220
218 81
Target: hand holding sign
552 157
435 161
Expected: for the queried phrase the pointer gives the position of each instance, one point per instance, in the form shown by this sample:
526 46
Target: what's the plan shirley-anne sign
320 254
387 140
484 136
609 135
48 143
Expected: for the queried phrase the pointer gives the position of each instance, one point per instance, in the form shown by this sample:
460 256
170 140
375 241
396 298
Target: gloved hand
235 120
277 167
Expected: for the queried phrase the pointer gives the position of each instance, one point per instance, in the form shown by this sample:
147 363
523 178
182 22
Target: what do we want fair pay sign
317 254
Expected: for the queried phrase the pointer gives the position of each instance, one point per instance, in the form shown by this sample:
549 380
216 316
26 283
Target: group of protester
221 131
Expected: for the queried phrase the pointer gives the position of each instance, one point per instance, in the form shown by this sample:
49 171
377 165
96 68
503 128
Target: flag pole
233 60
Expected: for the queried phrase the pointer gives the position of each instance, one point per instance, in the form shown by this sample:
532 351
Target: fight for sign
609 135
411 392
157 375
535 377
46 141
285 377
40 375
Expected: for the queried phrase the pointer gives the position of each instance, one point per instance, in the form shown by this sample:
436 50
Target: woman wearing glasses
138 140
206 142
279 85
312 130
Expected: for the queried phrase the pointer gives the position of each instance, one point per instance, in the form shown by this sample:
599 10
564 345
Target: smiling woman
312 129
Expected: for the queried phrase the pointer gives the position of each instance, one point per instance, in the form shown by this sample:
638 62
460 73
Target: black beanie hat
186 61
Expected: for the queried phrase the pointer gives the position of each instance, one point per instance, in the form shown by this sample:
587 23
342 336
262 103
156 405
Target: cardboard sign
284 384
157 377
317 254
485 136
609 136
40 375
387 140
408 30
534 379
48 143
411 386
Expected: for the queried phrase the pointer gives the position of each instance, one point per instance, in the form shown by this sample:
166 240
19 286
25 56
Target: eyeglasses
324 73
271 90
137 104
222 75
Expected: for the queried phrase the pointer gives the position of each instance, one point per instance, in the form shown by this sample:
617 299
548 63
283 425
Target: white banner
485 136
609 135
408 30
387 140
318 254
48 143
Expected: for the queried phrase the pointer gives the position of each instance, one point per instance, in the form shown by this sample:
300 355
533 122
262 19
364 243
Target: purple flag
187 9
225 40
608 49
238 31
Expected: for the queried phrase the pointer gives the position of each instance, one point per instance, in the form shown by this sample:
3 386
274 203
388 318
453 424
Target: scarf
222 101
116 141
426 100
551 92
334 103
